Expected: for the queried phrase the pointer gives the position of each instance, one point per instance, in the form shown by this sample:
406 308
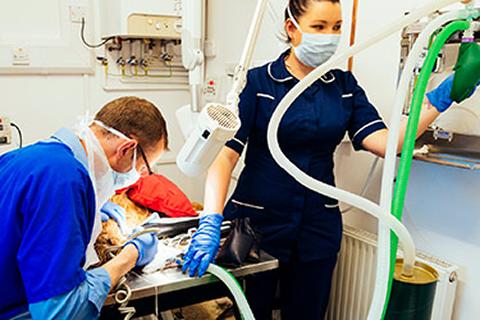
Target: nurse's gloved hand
113 211
204 246
440 97
147 246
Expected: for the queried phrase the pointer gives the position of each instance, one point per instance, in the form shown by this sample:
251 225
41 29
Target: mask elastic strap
120 135
111 130
295 23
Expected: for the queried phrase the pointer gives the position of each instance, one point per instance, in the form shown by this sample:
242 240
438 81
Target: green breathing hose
411 135
235 288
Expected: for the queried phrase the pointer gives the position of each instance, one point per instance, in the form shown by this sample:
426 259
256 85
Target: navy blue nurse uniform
298 226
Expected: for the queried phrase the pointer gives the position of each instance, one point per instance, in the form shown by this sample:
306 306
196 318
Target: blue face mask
315 48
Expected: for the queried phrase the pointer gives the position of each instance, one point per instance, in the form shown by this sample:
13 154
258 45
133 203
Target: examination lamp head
215 126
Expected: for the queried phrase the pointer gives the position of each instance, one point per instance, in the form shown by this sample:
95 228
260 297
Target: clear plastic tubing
384 249
342 195
234 287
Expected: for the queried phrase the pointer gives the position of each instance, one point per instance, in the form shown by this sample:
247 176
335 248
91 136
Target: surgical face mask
125 179
315 48
122 179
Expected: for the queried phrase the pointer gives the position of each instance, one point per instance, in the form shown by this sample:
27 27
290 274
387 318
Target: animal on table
135 216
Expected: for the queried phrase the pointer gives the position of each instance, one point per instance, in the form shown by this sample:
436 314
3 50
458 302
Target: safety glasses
144 157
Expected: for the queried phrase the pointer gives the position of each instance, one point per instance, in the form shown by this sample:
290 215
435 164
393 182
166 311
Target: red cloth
159 194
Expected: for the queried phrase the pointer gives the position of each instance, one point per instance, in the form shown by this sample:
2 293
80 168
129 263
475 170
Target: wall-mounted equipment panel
141 19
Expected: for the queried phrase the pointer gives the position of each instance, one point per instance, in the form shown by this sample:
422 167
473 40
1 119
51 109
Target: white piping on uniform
264 95
269 69
365 126
239 141
248 205
325 80
332 206
22 316
347 95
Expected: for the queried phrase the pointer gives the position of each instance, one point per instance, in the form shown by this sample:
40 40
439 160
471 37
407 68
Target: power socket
5 131
20 56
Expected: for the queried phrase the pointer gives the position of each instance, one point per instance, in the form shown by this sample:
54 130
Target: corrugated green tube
411 133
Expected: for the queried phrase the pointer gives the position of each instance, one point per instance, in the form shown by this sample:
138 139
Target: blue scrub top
291 218
48 209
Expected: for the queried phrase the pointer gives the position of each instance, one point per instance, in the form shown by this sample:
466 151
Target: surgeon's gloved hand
204 246
147 246
113 211
440 97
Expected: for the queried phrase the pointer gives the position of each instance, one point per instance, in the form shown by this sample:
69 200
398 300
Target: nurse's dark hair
136 118
298 9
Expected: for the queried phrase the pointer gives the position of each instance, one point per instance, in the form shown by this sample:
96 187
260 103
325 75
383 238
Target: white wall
442 215
42 104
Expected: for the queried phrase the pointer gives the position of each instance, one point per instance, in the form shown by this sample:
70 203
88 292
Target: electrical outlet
5 131
20 56
77 13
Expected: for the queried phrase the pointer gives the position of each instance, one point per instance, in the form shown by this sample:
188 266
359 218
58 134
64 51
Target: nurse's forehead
325 21
323 10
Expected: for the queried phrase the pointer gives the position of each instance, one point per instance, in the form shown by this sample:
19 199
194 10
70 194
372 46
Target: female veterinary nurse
301 228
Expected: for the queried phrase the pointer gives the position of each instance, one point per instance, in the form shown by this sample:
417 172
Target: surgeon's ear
125 147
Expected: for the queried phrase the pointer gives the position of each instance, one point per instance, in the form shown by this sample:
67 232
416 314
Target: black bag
241 245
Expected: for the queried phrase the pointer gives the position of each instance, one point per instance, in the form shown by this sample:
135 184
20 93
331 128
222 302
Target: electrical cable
92 46
272 13
122 295
155 285
20 135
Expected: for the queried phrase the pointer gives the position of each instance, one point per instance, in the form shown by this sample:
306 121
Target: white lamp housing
215 126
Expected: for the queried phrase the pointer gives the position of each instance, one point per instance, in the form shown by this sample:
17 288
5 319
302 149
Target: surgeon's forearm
121 264
218 181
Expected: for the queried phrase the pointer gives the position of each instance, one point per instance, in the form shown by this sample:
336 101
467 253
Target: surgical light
216 125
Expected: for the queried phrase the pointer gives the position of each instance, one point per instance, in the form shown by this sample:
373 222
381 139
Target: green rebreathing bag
467 71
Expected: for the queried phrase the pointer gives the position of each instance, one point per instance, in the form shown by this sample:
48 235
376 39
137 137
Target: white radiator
354 276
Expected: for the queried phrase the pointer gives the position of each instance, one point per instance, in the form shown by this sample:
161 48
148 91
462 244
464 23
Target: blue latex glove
440 96
113 211
204 246
147 246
